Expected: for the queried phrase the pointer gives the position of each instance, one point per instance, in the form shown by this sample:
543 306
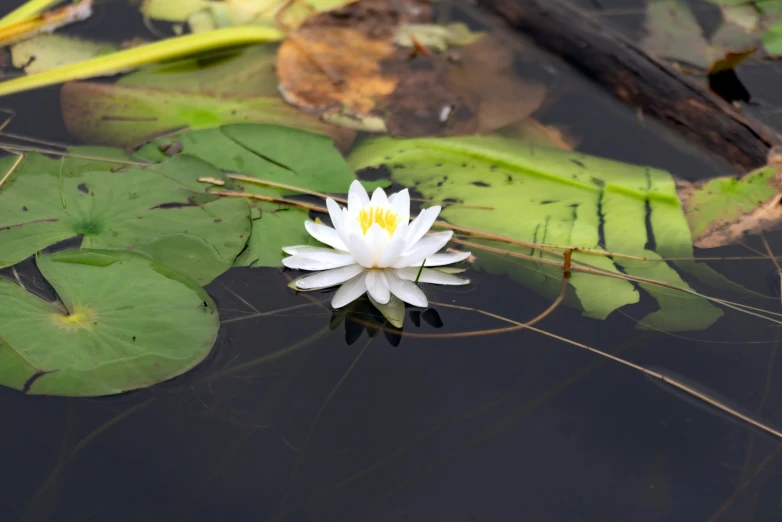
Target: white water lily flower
375 248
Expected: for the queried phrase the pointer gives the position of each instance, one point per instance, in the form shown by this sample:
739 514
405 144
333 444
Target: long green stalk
168 49
27 10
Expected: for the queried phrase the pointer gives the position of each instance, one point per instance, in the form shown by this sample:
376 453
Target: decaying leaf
17 28
721 211
350 77
49 51
335 70
438 37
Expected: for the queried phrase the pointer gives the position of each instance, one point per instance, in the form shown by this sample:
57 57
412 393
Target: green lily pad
125 322
46 201
559 197
126 115
278 154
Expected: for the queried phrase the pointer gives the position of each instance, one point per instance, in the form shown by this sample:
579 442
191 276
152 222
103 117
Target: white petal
377 286
326 235
337 219
434 277
405 290
360 251
328 278
352 226
354 205
360 193
446 259
376 239
306 249
392 251
401 205
350 291
379 198
421 224
426 247
319 261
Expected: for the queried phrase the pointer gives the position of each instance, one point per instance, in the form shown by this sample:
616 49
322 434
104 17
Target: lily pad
558 197
124 322
46 201
272 153
127 115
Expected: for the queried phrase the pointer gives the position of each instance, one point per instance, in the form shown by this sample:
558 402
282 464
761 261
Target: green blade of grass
143 55
31 8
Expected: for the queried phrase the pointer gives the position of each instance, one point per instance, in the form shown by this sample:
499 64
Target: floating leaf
276 154
558 197
675 34
46 201
721 211
49 51
125 322
353 78
127 115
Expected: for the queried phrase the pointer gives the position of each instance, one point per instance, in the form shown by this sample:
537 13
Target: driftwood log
624 69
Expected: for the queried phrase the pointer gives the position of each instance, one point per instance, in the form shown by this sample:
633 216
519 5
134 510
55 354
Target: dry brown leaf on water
336 71
355 76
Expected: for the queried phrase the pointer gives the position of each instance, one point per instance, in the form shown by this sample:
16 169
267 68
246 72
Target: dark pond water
287 420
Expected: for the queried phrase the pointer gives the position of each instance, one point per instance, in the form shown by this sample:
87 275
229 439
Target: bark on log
624 69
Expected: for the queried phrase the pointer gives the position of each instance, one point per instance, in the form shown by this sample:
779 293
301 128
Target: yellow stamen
385 217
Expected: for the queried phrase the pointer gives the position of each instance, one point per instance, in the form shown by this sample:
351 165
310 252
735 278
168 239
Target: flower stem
418 276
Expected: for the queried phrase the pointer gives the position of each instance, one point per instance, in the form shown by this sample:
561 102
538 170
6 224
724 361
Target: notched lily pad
124 322
46 201
272 153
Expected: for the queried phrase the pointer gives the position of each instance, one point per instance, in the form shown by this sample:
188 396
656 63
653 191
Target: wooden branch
624 69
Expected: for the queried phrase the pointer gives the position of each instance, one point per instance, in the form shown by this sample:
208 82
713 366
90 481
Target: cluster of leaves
131 309
146 217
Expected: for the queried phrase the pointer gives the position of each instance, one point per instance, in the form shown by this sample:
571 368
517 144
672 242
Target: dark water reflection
287 421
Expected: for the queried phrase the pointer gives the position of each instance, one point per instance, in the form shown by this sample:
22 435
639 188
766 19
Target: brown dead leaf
333 70
721 211
357 77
